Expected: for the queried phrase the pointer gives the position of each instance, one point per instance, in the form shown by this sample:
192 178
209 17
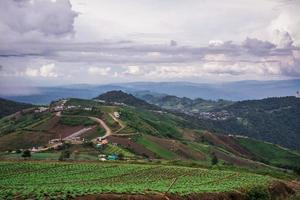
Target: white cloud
282 39
133 70
32 72
99 71
215 43
46 71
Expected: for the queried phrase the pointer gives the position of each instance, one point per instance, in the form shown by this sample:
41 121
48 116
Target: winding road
108 131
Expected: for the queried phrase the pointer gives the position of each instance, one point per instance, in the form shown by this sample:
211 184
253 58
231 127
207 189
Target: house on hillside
117 114
41 109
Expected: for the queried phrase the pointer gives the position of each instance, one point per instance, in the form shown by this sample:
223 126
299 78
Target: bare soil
131 145
177 147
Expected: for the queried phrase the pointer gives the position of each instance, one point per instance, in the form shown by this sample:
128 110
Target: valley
121 131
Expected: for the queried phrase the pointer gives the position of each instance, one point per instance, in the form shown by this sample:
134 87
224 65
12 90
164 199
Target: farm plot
66 180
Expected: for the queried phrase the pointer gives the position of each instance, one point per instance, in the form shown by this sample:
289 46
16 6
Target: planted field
64 180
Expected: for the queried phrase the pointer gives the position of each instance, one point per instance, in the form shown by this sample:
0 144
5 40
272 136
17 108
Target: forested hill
276 120
183 104
128 99
8 107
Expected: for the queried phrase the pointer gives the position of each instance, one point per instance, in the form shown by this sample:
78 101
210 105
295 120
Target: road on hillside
119 122
77 133
108 131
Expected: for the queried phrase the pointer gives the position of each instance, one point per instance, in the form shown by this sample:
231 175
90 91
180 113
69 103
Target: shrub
214 159
26 154
258 193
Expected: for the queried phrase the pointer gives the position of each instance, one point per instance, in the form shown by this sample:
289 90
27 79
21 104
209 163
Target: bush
214 159
26 154
64 155
258 193
297 170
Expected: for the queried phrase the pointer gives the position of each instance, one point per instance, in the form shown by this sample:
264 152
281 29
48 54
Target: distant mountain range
233 91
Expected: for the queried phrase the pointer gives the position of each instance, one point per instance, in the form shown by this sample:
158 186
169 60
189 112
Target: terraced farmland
66 180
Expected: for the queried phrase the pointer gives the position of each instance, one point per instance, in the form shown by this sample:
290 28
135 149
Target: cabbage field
63 180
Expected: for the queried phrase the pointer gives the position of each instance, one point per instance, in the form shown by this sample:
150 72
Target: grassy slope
157 149
8 107
112 149
271 153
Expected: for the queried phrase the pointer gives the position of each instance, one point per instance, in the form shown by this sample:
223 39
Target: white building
117 114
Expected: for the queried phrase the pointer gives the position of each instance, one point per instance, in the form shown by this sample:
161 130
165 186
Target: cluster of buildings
217 116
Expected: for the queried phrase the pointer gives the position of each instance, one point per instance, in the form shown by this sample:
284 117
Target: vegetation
128 99
114 149
274 120
9 107
158 150
76 121
68 180
26 154
152 123
271 153
184 104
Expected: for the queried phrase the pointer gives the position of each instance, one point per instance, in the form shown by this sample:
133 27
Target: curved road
108 131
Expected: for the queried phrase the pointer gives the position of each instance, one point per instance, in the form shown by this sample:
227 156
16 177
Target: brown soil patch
235 146
190 135
227 143
177 147
63 131
279 190
131 145
235 160
23 140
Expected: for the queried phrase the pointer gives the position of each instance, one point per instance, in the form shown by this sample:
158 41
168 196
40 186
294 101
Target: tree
121 156
64 155
214 159
26 154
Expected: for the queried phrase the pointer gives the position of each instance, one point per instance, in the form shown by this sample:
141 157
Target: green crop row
66 180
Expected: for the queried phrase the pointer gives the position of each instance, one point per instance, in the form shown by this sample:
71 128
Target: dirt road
108 131
77 133
119 122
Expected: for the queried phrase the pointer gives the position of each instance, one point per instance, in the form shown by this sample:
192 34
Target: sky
62 42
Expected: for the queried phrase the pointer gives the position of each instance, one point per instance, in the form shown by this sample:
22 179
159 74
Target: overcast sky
57 42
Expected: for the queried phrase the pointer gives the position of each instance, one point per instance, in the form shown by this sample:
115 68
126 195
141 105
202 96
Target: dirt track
108 131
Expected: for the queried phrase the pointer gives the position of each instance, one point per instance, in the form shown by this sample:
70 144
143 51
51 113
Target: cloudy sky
57 42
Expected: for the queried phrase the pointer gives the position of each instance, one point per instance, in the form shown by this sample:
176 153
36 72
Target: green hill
8 107
140 133
275 120
124 98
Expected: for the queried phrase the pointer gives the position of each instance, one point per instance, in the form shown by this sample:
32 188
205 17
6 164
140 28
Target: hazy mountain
233 91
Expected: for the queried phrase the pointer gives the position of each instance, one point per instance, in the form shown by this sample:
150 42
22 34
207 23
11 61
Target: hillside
166 145
124 98
183 104
138 133
8 107
275 120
